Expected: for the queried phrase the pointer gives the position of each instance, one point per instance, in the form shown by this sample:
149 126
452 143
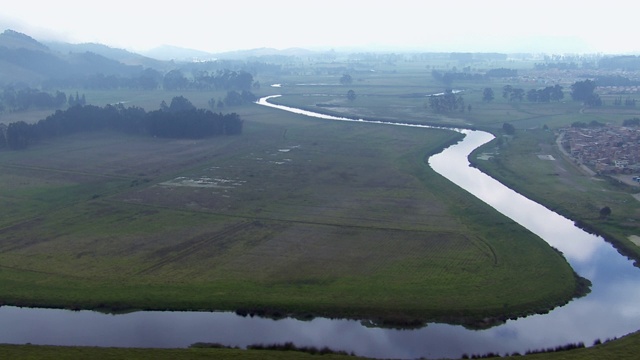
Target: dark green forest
180 120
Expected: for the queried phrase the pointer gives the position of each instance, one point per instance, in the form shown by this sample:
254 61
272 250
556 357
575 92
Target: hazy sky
557 26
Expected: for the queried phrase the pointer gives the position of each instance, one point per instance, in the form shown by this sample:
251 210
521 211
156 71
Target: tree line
547 94
446 102
151 79
179 120
583 91
204 80
28 98
176 79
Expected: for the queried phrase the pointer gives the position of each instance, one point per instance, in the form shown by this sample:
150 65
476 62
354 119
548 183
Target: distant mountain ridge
15 40
124 56
25 60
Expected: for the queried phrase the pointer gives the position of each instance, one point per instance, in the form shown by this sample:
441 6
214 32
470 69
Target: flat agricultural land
295 216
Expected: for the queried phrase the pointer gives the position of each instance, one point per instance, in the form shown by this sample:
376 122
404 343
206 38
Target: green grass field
106 221
62 353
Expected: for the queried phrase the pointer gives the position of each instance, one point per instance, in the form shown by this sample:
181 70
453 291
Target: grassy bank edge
626 347
622 246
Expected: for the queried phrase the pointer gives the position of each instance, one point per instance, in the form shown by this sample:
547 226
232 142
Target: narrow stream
612 309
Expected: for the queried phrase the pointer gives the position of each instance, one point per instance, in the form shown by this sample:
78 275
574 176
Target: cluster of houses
605 149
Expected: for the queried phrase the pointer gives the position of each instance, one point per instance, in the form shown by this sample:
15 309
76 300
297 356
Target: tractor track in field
189 247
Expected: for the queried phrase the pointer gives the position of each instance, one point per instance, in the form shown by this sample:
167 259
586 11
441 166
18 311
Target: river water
612 309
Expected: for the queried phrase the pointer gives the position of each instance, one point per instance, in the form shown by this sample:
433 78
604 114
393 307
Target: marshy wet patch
204 182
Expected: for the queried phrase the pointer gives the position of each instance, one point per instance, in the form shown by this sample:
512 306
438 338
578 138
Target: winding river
612 309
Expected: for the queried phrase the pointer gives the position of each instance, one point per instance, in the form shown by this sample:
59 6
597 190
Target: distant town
604 149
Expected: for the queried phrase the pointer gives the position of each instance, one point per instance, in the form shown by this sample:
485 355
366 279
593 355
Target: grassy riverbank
564 187
626 347
63 353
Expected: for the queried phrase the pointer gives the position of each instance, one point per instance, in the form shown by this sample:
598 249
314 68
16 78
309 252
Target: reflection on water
555 229
612 309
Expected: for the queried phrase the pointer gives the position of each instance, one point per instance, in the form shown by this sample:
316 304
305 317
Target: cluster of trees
615 80
77 100
584 91
625 62
580 91
179 120
346 79
151 79
447 102
27 98
148 79
628 102
548 94
511 93
508 129
204 80
631 122
487 95
233 98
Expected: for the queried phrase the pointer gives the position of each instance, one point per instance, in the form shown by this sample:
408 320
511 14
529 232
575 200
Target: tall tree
556 93
517 94
180 103
174 80
3 140
487 95
446 102
18 135
506 91
583 90
346 79
508 129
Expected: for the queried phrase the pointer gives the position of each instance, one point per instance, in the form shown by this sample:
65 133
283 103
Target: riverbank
626 347
565 188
